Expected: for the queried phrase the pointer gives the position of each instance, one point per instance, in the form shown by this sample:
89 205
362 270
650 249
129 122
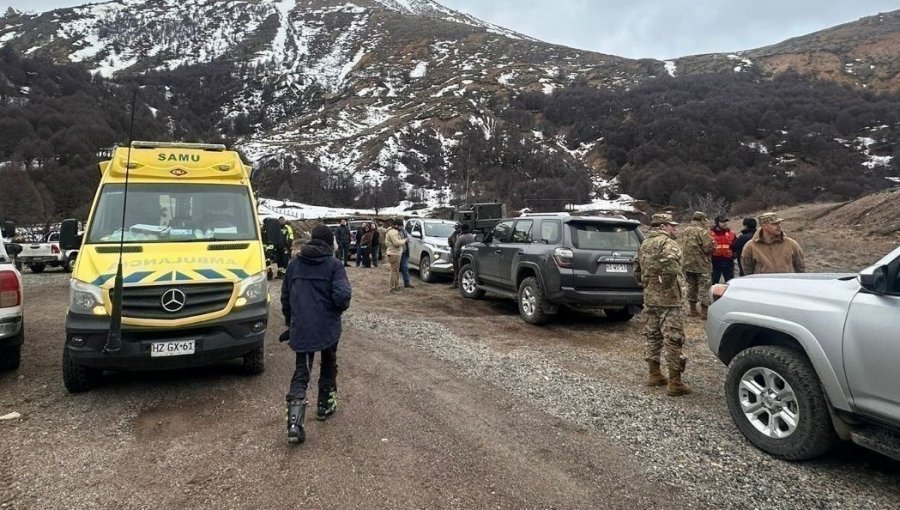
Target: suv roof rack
143 144
553 214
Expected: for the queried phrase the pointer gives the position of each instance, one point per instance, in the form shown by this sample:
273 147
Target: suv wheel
78 378
531 301
776 401
10 358
425 269
618 314
468 287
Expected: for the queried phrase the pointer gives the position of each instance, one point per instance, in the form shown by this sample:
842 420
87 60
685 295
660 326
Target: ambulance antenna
114 340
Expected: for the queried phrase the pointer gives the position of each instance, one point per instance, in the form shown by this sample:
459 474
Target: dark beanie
323 233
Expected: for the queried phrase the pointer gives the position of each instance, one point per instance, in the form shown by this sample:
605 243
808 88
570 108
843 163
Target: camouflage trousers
698 285
664 327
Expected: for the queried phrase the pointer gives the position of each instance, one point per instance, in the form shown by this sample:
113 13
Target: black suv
548 260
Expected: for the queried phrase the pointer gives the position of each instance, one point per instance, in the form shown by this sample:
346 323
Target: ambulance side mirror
68 235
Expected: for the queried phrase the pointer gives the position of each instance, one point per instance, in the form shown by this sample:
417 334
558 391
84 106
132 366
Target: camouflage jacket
658 270
698 247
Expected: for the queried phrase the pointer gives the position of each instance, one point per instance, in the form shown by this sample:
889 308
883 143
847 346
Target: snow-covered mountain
375 89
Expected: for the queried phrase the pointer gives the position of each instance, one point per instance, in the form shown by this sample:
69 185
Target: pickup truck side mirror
875 279
9 229
417 234
479 237
68 235
13 249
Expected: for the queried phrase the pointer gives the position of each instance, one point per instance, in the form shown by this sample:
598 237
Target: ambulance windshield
167 213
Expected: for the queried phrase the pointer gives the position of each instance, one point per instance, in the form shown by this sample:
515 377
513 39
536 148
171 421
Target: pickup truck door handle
498 251
519 252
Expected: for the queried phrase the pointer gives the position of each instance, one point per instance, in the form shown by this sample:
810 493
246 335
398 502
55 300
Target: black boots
327 403
295 410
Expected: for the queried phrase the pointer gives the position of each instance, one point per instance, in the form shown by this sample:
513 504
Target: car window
550 230
501 232
439 229
409 227
522 231
598 236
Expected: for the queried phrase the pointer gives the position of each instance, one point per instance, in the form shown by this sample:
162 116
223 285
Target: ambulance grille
199 299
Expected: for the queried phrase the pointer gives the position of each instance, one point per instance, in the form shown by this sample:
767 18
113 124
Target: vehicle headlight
84 297
252 289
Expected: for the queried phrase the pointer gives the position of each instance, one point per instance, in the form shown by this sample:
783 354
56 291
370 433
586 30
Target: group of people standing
675 269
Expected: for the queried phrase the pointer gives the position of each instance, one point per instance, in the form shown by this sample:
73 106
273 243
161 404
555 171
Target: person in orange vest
723 255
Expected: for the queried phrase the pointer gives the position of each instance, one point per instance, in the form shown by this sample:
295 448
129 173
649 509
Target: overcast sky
644 28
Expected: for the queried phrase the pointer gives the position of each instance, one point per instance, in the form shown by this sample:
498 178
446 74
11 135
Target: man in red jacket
723 256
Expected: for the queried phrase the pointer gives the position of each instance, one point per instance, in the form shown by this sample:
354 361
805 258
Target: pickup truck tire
10 358
468 285
78 378
36 268
254 361
425 269
618 314
69 264
779 388
531 302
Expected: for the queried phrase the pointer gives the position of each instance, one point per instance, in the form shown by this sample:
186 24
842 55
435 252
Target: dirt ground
413 429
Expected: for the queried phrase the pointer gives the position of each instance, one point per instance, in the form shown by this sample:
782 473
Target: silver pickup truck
812 358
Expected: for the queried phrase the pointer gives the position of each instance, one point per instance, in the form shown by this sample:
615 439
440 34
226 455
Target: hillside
377 101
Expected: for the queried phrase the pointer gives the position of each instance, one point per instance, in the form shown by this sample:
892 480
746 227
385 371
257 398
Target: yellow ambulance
194 283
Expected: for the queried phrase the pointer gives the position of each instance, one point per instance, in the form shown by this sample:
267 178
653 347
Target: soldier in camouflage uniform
658 270
698 247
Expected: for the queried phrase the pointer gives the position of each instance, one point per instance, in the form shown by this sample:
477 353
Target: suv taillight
54 249
10 292
563 257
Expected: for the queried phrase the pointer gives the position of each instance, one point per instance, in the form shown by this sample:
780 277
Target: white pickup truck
37 256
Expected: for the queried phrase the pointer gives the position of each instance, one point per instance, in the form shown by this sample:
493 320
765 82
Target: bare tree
710 204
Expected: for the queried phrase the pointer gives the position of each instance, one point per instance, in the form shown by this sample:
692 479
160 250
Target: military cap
699 216
769 218
661 219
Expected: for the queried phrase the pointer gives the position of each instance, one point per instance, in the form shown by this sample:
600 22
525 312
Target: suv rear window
599 236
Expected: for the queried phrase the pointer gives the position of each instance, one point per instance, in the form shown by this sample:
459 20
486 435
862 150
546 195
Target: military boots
327 403
295 410
655 378
676 387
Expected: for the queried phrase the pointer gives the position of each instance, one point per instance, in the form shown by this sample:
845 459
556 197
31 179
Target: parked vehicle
548 260
37 256
812 358
12 315
195 289
429 252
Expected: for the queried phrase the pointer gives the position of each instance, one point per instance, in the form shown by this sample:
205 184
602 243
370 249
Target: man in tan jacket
770 251
395 243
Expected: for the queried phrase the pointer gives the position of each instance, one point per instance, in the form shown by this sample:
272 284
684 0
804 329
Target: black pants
376 250
344 250
722 270
282 256
327 373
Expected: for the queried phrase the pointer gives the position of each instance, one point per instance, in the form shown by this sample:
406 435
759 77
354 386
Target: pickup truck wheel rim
769 403
529 302
426 268
468 282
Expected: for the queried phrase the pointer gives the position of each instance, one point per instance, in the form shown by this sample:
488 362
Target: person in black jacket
738 245
343 238
314 294
375 249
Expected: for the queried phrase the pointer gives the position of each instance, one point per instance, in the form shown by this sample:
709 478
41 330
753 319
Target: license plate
178 348
616 268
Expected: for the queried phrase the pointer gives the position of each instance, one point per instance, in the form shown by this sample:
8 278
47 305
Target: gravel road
444 403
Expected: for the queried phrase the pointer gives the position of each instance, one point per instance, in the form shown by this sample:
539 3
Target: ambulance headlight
83 297
253 289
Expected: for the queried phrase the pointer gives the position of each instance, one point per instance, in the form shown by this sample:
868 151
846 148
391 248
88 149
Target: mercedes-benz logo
173 300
